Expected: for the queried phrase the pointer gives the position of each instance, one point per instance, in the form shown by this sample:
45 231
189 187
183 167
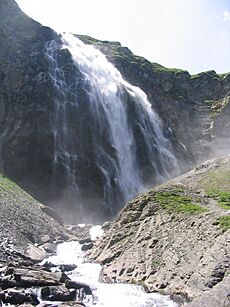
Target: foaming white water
106 295
96 232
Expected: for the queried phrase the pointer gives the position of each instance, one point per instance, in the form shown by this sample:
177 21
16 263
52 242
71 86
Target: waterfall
108 141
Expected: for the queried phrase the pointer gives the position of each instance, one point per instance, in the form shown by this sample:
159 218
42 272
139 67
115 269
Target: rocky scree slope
175 238
25 224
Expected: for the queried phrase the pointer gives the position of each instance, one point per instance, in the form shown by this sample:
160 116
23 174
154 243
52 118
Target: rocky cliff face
194 109
175 238
26 137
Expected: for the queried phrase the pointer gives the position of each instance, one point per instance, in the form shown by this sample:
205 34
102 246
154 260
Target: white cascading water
109 110
121 121
104 295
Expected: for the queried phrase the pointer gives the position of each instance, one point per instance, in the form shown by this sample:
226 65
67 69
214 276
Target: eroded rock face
172 239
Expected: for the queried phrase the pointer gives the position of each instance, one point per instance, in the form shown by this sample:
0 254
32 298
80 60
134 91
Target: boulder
78 285
58 293
87 246
67 267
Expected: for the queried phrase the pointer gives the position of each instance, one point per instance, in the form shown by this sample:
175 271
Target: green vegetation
11 188
224 222
209 73
224 76
177 203
216 180
222 198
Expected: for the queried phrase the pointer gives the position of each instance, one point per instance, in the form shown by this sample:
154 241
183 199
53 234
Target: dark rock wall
25 101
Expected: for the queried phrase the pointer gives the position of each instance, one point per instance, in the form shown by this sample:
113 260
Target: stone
36 253
48 265
7 282
45 239
64 277
86 240
67 267
78 285
58 293
49 247
31 277
87 246
15 296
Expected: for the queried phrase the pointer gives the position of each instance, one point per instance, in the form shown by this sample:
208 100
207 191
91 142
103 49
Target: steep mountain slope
175 238
25 223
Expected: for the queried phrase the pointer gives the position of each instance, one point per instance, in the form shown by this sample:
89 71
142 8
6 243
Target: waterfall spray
106 133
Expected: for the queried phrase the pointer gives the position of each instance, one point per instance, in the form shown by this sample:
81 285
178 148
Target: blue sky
188 34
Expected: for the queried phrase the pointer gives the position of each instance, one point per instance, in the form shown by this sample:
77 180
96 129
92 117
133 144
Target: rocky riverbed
66 279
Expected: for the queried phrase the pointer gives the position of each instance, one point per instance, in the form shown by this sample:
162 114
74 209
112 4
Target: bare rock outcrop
175 238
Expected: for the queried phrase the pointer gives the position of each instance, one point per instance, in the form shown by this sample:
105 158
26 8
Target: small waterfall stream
106 295
109 142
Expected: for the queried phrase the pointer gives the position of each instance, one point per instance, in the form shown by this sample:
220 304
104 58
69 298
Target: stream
107 295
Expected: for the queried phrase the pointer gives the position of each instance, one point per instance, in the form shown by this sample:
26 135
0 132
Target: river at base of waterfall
107 295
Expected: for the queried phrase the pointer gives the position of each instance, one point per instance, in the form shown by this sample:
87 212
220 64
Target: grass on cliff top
224 222
178 203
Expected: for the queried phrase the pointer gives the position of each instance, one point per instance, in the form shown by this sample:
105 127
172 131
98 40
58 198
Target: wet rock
7 282
106 225
48 265
49 247
45 239
58 293
15 297
78 285
29 278
87 246
64 277
67 267
80 232
18 297
86 240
